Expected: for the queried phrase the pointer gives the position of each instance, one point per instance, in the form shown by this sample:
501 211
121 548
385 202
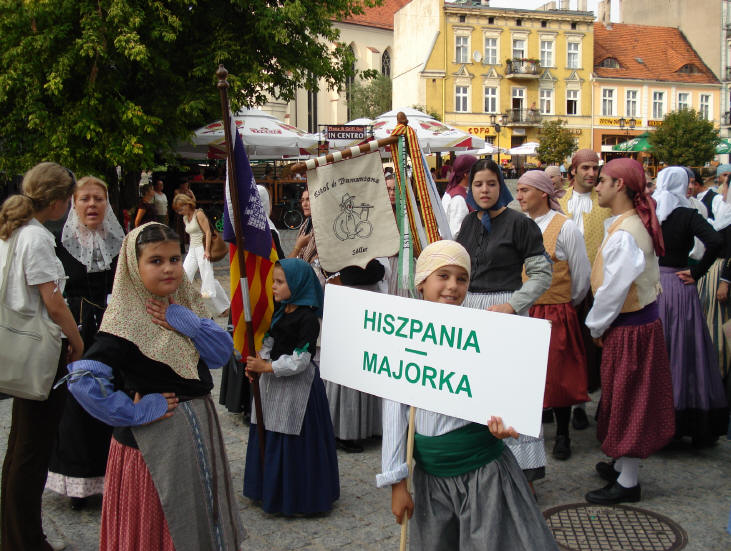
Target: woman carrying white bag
32 315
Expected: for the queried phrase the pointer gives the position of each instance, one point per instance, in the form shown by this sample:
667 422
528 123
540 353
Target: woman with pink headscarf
454 199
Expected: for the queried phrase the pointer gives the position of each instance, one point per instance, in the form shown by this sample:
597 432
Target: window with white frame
491 50
573 55
608 102
518 48
546 53
658 105
460 99
545 95
461 49
572 102
630 105
705 106
518 99
490 99
683 100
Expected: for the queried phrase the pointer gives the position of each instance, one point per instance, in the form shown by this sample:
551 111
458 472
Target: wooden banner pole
233 189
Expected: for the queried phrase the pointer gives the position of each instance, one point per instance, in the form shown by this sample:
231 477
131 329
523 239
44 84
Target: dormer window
689 69
610 63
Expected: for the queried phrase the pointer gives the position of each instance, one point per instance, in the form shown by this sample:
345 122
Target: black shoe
614 493
562 447
547 416
78 503
579 420
606 471
349 446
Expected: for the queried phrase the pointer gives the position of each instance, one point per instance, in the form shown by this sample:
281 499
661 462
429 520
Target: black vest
708 202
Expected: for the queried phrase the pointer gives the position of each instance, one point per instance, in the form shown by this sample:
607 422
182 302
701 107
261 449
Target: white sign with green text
461 362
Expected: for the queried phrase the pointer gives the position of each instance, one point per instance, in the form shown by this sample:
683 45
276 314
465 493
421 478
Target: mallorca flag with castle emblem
259 254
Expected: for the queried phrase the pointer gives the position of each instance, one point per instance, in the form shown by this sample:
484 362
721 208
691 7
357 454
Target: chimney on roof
604 15
564 5
547 6
582 5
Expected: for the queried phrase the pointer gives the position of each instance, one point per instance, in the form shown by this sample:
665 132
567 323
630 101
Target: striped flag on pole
251 296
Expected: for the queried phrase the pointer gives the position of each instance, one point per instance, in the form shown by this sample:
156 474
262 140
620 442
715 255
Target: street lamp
497 126
628 124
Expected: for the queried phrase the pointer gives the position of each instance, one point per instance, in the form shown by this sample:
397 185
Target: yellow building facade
485 65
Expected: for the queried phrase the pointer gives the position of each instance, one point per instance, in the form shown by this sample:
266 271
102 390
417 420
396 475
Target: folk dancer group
586 260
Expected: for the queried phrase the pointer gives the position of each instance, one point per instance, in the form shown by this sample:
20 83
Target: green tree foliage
97 84
685 138
424 109
371 97
557 143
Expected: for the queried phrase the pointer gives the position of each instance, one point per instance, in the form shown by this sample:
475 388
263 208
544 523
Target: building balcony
523 68
523 117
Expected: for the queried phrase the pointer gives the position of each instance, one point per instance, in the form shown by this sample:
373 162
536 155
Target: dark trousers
25 468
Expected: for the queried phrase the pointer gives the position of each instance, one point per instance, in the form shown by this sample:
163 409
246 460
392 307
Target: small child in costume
300 474
148 375
469 492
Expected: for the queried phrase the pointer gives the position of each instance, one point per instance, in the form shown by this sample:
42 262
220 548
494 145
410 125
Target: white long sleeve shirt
570 247
456 209
624 261
578 204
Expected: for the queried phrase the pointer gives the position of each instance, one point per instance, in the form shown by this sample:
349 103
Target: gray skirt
187 460
355 415
488 509
529 452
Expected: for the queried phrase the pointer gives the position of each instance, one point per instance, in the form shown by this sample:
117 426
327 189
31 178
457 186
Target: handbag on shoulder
29 345
219 248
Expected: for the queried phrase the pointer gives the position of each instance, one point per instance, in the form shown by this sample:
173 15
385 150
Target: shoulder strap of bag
8 261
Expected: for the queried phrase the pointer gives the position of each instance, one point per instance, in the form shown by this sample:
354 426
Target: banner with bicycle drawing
351 213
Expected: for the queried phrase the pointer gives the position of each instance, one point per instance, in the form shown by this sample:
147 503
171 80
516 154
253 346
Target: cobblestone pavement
692 487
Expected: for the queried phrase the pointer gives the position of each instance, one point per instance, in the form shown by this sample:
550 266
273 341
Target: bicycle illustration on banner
352 221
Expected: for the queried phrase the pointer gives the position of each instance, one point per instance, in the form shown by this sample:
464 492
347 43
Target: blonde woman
199 253
35 283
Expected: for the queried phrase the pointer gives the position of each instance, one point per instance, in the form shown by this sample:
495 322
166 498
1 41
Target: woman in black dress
88 250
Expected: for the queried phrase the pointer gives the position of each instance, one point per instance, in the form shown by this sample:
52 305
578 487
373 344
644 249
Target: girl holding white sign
300 474
469 491
502 243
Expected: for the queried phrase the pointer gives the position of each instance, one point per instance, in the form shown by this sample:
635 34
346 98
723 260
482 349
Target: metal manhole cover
585 527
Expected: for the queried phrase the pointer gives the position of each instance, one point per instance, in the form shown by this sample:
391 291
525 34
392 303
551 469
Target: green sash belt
458 452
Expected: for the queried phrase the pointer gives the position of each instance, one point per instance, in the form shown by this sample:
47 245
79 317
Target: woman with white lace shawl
90 243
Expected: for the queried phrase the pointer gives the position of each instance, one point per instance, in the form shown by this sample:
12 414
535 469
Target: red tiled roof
380 16
662 51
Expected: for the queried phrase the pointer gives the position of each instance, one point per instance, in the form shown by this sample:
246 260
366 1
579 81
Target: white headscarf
723 215
95 249
672 187
266 205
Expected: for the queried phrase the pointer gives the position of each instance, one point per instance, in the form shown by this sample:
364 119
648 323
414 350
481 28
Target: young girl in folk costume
167 483
469 492
300 472
198 258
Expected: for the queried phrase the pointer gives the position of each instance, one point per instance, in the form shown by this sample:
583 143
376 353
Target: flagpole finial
222 73
401 118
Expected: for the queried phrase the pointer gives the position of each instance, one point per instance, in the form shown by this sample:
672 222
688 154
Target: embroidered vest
646 287
593 222
560 290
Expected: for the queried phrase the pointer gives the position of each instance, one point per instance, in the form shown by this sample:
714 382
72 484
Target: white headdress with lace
96 248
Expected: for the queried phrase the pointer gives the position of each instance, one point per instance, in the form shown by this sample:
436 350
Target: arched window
386 63
610 63
689 69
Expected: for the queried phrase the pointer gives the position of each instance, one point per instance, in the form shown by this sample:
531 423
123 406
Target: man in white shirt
160 200
581 204
636 415
566 375
702 191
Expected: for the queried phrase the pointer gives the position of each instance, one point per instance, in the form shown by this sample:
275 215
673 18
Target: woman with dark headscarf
454 199
700 403
501 243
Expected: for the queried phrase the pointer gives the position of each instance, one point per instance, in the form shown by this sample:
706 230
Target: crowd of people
635 286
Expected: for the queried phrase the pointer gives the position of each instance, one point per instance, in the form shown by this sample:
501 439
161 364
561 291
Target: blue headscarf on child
303 285
503 199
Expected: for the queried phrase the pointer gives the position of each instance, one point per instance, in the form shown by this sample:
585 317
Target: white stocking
630 472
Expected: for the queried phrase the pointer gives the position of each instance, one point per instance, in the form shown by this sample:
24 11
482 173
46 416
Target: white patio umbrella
434 136
489 149
263 135
528 148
